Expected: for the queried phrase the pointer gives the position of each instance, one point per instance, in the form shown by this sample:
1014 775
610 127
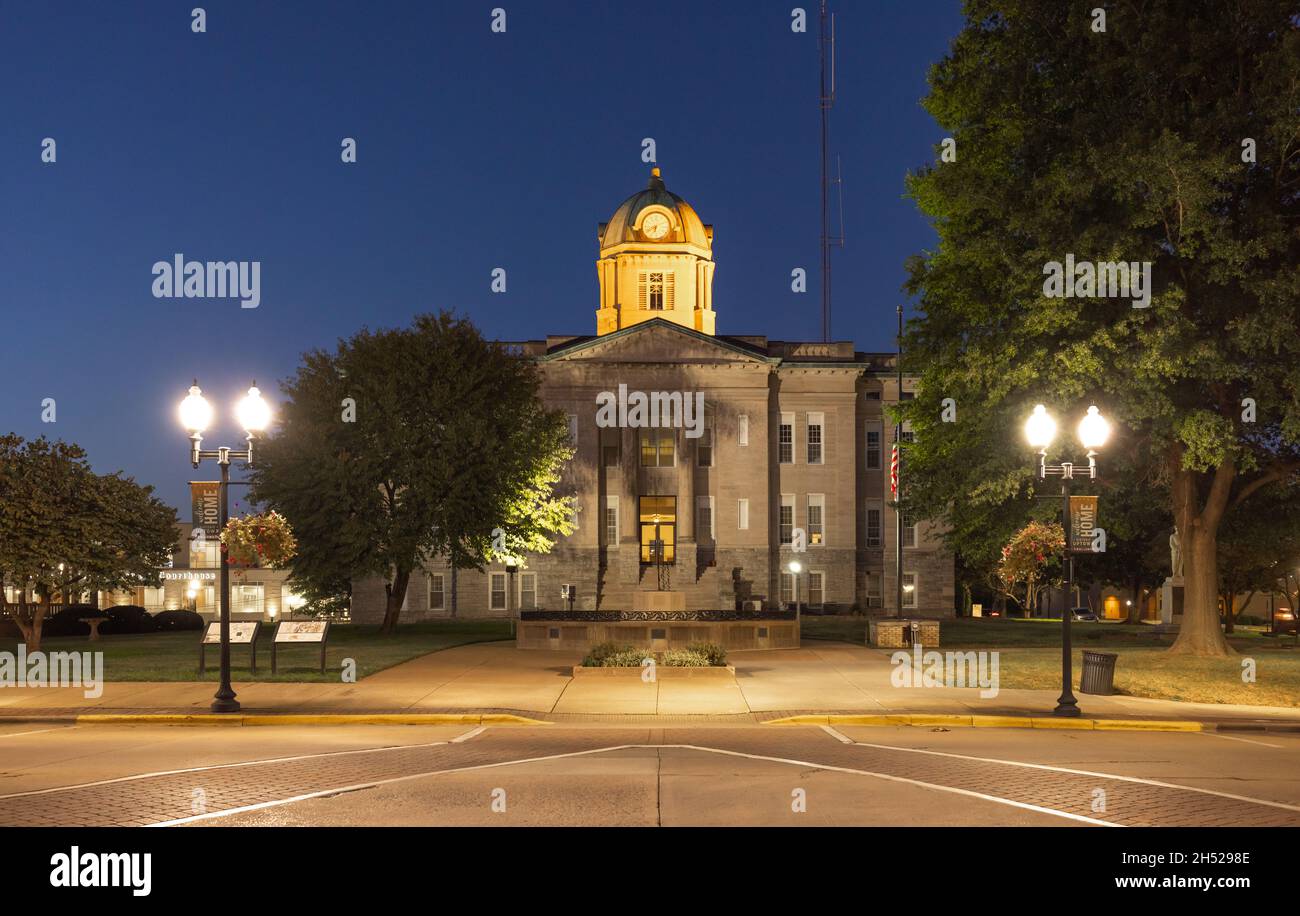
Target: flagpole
898 474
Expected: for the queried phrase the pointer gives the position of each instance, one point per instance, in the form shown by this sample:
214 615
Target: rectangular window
787 588
742 431
816 588
909 532
609 455
497 591
816 519
909 589
527 591
704 519
873 449
742 520
785 521
611 521
785 439
704 448
244 599
873 590
656 448
434 588
816 427
873 527
907 436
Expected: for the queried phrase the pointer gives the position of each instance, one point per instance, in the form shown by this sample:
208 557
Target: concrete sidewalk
495 677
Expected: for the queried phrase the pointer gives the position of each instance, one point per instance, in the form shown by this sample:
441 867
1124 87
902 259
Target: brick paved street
138 775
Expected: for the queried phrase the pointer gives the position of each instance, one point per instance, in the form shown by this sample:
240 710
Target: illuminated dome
625 225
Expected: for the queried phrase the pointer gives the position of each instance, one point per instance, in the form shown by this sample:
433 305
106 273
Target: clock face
655 226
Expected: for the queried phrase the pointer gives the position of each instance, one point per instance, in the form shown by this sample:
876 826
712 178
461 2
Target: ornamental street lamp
511 566
254 416
1040 430
795 568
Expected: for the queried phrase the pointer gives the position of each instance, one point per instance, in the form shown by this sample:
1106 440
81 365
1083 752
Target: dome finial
656 182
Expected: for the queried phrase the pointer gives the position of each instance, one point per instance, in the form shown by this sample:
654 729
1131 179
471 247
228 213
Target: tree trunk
1201 633
453 592
30 618
396 592
1198 528
1135 609
1229 599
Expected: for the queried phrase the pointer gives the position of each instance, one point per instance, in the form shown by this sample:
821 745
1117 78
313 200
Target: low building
193 582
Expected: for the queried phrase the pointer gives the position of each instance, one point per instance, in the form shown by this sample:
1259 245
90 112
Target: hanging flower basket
259 540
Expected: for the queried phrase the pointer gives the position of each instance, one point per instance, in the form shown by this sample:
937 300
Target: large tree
405 444
65 529
1171 137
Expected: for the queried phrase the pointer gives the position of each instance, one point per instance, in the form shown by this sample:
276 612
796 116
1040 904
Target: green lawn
175 656
1030 657
1143 672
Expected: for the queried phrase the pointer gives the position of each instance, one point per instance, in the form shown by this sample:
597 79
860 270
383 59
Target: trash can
1098 673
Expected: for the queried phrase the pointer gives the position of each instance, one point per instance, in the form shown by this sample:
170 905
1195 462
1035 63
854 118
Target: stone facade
798 425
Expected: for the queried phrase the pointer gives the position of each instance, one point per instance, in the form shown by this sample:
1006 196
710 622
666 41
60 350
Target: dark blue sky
475 150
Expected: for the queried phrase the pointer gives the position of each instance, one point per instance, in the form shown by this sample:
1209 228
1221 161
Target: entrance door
658 517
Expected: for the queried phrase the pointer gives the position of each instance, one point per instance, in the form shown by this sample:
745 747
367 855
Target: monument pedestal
1171 602
658 601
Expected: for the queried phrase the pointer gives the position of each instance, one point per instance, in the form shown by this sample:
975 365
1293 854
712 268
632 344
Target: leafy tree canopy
405 444
1124 145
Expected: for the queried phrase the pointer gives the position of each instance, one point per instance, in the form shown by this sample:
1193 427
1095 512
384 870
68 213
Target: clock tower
656 261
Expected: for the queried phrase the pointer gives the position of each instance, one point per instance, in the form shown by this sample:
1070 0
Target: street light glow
253 412
1093 429
1040 428
195 411
796 567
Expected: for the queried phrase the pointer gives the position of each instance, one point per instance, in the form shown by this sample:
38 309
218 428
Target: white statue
1176 554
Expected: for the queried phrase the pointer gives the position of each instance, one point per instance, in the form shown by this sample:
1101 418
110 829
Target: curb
238 720
1148 725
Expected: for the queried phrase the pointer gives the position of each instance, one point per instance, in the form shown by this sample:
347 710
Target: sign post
242 633
298 632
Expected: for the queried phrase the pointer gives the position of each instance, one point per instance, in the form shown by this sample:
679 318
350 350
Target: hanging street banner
893 472
1083 523
205 500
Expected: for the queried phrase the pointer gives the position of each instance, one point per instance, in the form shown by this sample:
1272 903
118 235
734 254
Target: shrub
684 658
68 622
170 621
126 619
716 655
601 651
626 658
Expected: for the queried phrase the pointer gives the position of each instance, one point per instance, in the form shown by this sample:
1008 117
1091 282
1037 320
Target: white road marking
220 766
470 734
841 738
260 806
39 731
1235 738
1043 766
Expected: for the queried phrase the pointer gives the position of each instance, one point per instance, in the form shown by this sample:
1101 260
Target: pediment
658 341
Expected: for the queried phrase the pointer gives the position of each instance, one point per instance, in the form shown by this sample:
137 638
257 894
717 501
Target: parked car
1284 621
1083 614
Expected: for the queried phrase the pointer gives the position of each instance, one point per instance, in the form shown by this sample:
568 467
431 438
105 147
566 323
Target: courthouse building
793 450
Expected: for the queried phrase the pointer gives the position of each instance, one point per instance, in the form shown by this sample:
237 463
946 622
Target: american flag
893 471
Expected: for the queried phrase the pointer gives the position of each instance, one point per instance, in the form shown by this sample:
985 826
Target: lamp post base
224 703
1067 707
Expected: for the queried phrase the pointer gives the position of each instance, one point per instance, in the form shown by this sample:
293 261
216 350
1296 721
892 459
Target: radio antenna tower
826 100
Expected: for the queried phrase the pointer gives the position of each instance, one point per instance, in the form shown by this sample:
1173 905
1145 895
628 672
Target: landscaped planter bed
661 671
